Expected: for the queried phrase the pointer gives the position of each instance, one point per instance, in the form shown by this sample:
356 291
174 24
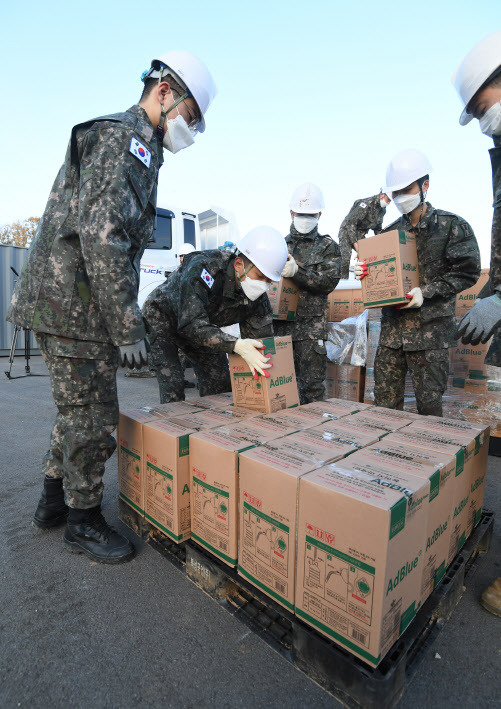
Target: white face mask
177 135
253 288
305 224
406 203
490 123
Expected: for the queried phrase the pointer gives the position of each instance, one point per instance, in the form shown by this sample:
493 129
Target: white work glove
481 321
249 351
135 356
290 268
415 297
361 270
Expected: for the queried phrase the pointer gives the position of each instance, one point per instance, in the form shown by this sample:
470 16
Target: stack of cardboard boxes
344 513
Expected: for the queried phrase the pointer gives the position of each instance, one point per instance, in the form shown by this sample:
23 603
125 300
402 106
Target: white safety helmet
405 168
267 250
186 249
191 74
475 69
307 199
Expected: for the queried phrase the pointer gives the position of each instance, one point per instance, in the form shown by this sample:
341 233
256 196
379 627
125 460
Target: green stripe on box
158 470
175 537
211 487
266 518
374 303
406 617
242 374
401 237
132 504
439 574
434 485
384 260
291 315
340 555
184 446
459 462
265 588
215 551
337 636
269 345
397 517
134 455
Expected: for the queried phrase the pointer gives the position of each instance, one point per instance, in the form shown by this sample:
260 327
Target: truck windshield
189 231
162 236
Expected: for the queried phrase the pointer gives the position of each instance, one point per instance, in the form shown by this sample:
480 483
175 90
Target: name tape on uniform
207 278
141 153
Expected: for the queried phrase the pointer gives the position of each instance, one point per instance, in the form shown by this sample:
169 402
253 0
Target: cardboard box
324 446
283 297
467 298
167 477
268 508
351 406
131 456
359 558
443 467
212 418
345 301
388 422
299 418
396 413
392 263
258 430
176 408
353 426
357 303
356 436
345 381
266 394
329 410
214 401
467 361
474 445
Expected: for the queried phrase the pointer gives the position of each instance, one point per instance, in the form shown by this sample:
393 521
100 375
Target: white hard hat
405 168
186 249
307 199
475 69
192 74
267 250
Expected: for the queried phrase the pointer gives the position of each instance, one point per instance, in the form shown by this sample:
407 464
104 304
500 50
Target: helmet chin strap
160 130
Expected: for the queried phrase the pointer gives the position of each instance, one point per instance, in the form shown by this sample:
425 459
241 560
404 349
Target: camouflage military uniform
319 262
187 311
364 215
418 339
494 284
78 288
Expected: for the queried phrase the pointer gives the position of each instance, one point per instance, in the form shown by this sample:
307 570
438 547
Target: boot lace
97 521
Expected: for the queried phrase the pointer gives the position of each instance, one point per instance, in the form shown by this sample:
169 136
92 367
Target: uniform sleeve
259 321
463 256
108 207
321 277
376 214
193 321
349 231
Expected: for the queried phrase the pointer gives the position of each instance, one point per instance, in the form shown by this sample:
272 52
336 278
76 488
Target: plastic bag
347 341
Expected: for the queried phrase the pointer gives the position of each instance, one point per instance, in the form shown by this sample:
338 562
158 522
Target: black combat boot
51 510
87 532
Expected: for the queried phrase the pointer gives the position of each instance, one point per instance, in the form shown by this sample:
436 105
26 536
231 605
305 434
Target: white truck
173 228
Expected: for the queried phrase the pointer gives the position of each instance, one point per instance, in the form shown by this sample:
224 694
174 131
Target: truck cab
173 228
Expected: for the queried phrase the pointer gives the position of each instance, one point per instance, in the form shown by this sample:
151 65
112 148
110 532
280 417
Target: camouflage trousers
85 393
428 368
166 358
310 362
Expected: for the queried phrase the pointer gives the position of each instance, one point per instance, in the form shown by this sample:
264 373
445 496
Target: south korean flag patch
363 205
207 278
141 153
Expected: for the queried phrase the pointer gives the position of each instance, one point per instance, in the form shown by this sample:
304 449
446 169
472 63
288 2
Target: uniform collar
425 221
295 234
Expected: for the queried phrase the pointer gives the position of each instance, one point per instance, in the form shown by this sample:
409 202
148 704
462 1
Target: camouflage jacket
319 261
81 278
200 297
449 262
494 283
365 214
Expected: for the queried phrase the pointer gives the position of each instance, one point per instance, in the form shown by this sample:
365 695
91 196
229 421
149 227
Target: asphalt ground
81 635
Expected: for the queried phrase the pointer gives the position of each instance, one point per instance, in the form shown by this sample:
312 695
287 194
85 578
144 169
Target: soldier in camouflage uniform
314 265
186 313
78 292
478 82
416 337
365 214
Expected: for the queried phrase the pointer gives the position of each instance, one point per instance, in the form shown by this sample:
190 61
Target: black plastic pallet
346 677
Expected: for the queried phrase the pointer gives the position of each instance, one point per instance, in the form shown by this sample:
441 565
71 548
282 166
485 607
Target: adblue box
266 394
283 297
392 264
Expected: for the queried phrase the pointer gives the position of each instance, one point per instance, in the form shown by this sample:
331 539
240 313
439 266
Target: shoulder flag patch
207 278
362 204
141 153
